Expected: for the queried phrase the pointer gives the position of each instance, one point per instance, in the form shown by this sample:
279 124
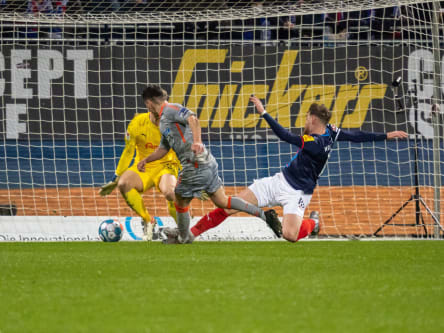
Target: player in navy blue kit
293 187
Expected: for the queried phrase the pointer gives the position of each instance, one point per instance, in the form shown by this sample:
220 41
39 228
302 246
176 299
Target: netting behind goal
71 79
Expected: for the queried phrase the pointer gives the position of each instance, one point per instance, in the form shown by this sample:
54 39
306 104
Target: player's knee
221 204
123 186
169 195
290 235
230 211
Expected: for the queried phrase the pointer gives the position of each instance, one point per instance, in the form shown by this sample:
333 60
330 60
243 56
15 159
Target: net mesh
72 75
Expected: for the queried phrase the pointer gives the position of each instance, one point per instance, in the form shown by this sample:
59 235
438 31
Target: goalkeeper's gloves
109 187
204 196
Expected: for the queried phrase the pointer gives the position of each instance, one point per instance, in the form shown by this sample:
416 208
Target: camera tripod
416 196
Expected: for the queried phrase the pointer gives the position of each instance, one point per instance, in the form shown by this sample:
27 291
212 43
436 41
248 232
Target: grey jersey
199 173
176 134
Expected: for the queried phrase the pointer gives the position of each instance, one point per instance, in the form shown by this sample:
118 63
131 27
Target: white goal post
71 77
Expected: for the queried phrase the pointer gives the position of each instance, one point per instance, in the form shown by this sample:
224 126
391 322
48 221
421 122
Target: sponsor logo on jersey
150 145
308 138
183 112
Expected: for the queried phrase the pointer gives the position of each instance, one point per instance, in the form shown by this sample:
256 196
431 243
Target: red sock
211 220
307 227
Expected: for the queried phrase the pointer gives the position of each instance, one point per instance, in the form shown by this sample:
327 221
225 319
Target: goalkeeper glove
204 196
109 187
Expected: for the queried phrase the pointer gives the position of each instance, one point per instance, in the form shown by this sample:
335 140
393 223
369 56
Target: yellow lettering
237 66
209 93
238 117
225 102
346 94
281 99
190 59
366 95
321 94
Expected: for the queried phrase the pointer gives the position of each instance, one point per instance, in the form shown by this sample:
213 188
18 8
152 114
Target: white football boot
148 230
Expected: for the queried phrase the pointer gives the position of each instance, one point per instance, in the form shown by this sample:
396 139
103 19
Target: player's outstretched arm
361 136
258 104
397 135
157 155
109 187
281 132
122 166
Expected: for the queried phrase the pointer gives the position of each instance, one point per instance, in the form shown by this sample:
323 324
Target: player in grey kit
181 131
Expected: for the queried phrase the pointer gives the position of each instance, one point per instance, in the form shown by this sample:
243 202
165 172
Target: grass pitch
222 287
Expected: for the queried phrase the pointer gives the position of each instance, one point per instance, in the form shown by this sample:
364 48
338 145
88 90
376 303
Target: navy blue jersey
303 171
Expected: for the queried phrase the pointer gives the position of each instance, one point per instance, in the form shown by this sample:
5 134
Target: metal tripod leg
434 218
419 215
412 197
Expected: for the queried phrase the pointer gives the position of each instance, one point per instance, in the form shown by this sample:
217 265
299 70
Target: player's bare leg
294 227
167 185
291 223
131 187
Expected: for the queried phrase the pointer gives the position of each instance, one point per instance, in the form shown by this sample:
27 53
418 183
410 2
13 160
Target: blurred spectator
40 6
263 30
48 7
382 22
60 7
288 27
359 24
335 33
416 20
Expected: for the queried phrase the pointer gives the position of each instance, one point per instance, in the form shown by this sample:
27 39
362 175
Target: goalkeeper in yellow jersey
143 136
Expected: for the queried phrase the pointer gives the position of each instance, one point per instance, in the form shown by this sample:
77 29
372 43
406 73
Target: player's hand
141 165
258 104
197 148
397 135
109 187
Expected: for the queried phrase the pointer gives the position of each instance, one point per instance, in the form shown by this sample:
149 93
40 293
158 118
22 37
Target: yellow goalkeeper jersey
144 137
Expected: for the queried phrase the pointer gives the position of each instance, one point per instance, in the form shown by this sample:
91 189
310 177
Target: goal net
71 77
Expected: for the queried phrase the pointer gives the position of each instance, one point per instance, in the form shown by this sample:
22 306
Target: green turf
222 287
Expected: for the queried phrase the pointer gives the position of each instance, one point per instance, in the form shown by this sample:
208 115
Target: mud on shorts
192 180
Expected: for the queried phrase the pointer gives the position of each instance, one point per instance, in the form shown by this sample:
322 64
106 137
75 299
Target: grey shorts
193 180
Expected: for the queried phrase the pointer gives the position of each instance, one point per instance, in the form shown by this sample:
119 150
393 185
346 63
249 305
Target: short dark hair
153 91
320 111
